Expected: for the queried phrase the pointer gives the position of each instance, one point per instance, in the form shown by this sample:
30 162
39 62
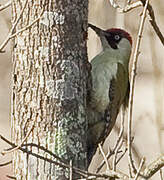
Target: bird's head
115 38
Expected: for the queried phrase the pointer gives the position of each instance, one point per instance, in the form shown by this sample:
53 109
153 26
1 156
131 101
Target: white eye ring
116 37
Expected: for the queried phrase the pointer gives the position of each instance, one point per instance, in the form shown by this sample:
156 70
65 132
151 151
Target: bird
110 86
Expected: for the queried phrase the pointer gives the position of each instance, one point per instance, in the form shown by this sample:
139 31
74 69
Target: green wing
118 95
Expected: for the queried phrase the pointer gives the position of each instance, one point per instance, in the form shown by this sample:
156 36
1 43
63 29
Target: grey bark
49 87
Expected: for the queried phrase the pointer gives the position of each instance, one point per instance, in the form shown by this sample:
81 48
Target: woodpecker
110 85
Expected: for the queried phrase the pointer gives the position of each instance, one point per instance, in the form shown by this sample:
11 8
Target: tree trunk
49 87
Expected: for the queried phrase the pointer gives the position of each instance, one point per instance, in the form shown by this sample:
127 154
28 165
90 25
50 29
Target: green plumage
110 90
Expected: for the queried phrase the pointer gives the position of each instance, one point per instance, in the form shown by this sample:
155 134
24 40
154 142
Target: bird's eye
117 37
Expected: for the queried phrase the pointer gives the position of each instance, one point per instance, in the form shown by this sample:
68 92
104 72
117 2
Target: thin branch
10 177
122 155
148 172
120 138
10 36
104 156
64 165
153 167
134 148
109 154
119 175
107 175
116 153
13 28
130 172
127 8
161 175
27 27
130 7
43 149
2 7
139 169
153 22
121 129
5 164
70 171
17 147
132 82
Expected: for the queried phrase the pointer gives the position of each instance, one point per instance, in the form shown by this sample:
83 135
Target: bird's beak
98 31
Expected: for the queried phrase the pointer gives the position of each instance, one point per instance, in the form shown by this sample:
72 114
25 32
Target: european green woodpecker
110 85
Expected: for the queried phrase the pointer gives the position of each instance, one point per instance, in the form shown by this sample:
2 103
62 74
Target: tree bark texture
49 87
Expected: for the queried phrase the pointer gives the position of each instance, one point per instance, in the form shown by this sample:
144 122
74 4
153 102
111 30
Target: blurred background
5 88
148 109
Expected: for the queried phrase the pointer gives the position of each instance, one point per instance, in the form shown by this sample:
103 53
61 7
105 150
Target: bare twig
13 28
5 164
130 7
153 167
116 153
104 156
153 22
10 177
27 27
122 155
139 169
134 148
132 82
119 175
107 175
70 171
120 139
25 138
2 7
121 129
161 175
10 35
110 153
64 165
148 172
127 8
130 172
43 149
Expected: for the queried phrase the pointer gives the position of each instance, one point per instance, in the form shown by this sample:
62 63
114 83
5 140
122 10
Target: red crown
122 32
